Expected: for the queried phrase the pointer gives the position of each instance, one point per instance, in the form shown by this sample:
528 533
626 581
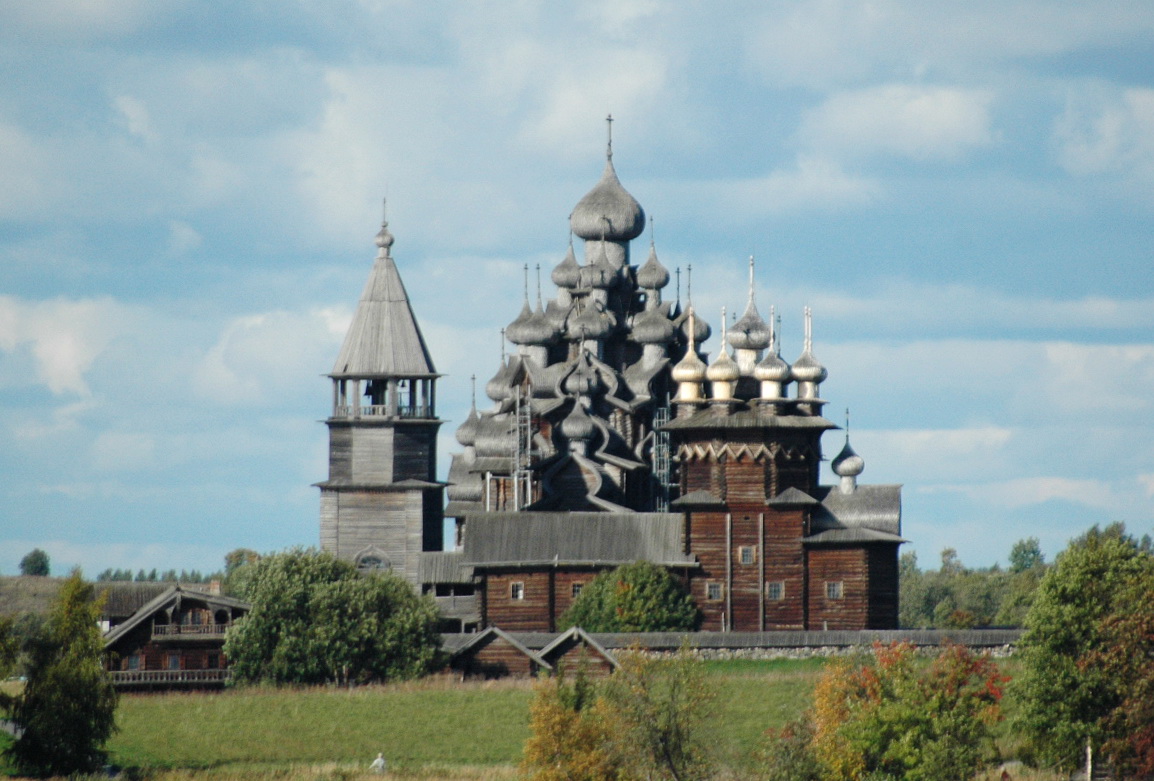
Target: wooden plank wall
497 659
548 594
849 566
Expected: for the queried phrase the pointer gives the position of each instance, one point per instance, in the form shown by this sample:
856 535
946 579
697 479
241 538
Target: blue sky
189 191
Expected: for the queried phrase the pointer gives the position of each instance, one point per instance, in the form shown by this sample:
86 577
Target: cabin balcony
465 607
169 679
176 632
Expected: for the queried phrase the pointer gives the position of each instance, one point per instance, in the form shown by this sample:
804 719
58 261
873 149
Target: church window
713 592
747 554
517 590
775 591
833 589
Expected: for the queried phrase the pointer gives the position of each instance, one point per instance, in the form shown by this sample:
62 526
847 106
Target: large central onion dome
608 211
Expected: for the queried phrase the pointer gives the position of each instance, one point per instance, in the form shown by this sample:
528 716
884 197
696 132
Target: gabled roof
166 599
443 567
876 507
384 339
574 538
791 497
576 636
491 634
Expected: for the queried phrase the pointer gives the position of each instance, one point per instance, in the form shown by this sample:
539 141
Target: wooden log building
611 438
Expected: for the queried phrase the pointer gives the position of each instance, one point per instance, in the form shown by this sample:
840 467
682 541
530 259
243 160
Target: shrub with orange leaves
887 715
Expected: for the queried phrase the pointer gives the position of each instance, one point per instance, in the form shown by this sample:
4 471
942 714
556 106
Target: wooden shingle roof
384 339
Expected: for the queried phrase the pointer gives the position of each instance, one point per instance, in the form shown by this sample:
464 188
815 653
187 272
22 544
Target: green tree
571 733
637 597
660 706
885 716
315 619
68 706
1063 700
35 562
1026 555
238 569
1125 656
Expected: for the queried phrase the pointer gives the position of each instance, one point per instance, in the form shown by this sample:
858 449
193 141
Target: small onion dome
583 380
723 368
701 329
598 274
608 211
496 389
590 324
847 463
467 431
652 275
652 327
539 330
385 239
556 314
577 426
690 368
750 332
567 272
772 368
517 331
807 368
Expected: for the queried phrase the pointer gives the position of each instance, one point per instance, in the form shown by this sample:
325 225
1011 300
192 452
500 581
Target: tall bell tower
382 504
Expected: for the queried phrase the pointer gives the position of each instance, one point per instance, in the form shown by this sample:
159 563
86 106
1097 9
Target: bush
637 597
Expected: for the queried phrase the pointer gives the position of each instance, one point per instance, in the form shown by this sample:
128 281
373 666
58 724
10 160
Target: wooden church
611 438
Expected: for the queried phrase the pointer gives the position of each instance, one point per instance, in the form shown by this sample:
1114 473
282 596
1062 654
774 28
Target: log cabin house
612 437
175 640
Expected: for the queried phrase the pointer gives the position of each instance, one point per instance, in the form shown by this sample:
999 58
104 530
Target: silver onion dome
577 426
652 275
690 368
566 273
518 331
652 327
701 329
772 368
467 431
590 324
539 330
750 332
847 463
608 211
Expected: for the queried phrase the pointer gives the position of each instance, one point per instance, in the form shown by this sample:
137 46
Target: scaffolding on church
662 457
522 450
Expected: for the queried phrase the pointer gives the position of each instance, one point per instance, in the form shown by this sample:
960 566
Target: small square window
713 592
576 589
517 590
833 589
134 662
174 661
775 591
747 554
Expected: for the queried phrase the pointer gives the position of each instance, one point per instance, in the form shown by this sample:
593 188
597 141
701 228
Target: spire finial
751 279
502 346
689 283
609 146
678 285
723 329
384 238
526 273
692 341
473 391
772 329
808 329
847 425
776 329
651 241
538 285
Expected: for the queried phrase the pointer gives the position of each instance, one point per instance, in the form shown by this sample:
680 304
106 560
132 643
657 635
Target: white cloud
814 184
271 354
135 117
1025 491
64 337
902 120
1147 483
114 451
1107 131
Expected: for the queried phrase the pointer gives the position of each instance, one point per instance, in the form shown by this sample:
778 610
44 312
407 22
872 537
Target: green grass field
435 723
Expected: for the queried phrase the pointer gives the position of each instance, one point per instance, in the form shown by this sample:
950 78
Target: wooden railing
169 677
381 411
188 630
